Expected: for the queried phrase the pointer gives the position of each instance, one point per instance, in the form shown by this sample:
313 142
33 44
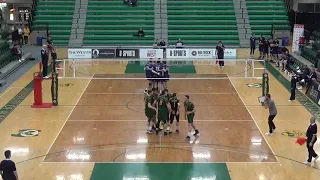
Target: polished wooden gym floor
100 122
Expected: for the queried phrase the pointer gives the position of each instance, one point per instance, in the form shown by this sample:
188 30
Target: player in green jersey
190 112
163 110
150 111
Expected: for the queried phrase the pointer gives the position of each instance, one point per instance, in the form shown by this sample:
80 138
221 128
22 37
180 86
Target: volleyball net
178 69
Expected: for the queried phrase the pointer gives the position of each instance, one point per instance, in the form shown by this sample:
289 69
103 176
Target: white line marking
136 120
254 120
177 93
66 120
8 89
205 162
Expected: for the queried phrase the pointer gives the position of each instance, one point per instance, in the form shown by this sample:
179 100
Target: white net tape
182 69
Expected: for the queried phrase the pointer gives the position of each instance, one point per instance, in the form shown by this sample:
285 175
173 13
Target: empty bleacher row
264 14
202 22
58 15
5 53
114 23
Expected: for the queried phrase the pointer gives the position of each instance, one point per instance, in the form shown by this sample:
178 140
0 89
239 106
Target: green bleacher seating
264 14
309 54
5 53
114 23
58 15
202 22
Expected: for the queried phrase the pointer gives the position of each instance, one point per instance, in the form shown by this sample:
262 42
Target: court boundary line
66 121
141 93
114 120
274 154
9 89
169 162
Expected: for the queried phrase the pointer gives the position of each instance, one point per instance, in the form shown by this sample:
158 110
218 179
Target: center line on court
177 93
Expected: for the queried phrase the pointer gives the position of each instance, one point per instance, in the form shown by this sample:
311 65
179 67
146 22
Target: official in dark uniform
252 44
220 53
311 140
175 113
44 60
294 81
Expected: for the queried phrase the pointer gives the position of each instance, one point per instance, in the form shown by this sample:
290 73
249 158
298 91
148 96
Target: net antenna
205 68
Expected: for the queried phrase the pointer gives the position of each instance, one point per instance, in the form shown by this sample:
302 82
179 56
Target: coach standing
220 54
311 139
252 44
269 103
8 168
294 81
44 60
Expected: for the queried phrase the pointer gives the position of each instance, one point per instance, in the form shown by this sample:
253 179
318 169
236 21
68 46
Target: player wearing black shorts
175 114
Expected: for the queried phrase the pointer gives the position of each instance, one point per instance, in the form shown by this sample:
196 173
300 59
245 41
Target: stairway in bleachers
202 22
58 15
264 14
114 23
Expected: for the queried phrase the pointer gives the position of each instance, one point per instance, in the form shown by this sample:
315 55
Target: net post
74 68
253 75
64 68
37 90
246 69
265 84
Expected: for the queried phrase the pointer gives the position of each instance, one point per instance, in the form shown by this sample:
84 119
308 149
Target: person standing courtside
8 169
294 81
220 53
252 44
311 139
44 60
269 103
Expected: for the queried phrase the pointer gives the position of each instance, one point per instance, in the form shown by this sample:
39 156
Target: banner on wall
228 53
298 32
79 53
178 53
127 53
103 53
151 53
201 53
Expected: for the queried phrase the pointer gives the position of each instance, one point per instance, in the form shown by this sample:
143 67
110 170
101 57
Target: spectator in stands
134 3
261 42
50 45
156 44
20 33
266 45
163 45
274 48
140 33
310 77
26 34
252 44
283 58
179 44
220 53
16 52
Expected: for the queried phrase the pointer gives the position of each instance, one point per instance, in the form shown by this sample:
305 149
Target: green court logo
27 133
66 85
293 133
255 85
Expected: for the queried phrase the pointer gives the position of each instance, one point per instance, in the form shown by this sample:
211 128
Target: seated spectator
162 43
140 33
310 77
17 52
156 44
179 44
283 59
134 3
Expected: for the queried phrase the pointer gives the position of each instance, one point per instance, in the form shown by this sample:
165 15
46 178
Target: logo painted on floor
293 133
255 85
27 133
66 85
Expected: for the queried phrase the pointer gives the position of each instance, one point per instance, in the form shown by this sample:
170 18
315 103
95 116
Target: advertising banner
178 53
298 31
79 53
103 53
151 53
228 53
127 53
201 53
314 92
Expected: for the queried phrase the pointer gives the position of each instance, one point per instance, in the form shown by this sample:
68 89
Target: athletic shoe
177 131
150 132
188 137
268 134
316 158
307 163
196 133
165 133
170 132
273 130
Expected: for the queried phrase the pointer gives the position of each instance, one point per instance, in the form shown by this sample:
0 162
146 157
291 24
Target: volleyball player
148 71
175 114
158 75
149 111
165 74
163 110
190 113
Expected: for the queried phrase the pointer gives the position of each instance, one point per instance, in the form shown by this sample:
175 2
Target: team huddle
161 110
157 72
